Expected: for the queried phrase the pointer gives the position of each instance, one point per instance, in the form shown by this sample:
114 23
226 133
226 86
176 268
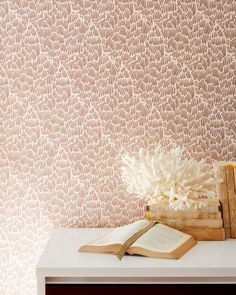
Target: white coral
168 178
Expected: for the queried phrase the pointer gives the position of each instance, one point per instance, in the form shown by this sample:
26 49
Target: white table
207 262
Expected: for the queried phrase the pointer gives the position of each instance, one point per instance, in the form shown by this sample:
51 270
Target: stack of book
226 193
203 224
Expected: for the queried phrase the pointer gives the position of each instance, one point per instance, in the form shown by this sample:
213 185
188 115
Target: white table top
210 259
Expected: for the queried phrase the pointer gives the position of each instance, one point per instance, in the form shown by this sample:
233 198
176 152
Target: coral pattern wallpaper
84 81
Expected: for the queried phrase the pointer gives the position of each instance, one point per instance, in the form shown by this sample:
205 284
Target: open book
143 238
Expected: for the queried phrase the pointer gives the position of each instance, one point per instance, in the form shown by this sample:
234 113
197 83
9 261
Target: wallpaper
82 83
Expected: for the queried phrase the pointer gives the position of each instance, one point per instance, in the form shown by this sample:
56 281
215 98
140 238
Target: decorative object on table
183 188
203 224
145 238
226 192
168 178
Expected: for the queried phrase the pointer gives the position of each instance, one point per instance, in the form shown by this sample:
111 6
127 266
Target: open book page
121 234
161 238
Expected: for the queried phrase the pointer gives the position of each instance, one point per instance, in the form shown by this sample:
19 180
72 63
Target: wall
81 83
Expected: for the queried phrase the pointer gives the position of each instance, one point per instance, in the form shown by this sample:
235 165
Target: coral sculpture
168 178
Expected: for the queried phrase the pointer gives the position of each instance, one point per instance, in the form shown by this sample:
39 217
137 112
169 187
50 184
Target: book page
161 238
121 234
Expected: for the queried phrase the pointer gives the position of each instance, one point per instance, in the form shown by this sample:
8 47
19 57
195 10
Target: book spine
209 202
206 234
212 207
183 215
222 194
194 222
231 192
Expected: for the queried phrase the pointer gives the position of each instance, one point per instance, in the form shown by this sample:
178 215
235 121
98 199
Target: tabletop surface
61 258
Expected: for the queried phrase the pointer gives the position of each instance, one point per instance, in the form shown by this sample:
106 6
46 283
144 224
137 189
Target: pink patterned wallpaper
81 83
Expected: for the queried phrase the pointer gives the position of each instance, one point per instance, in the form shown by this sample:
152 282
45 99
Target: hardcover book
226 193
143 238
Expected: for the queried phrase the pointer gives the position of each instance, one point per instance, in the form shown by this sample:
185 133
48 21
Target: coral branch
167 177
